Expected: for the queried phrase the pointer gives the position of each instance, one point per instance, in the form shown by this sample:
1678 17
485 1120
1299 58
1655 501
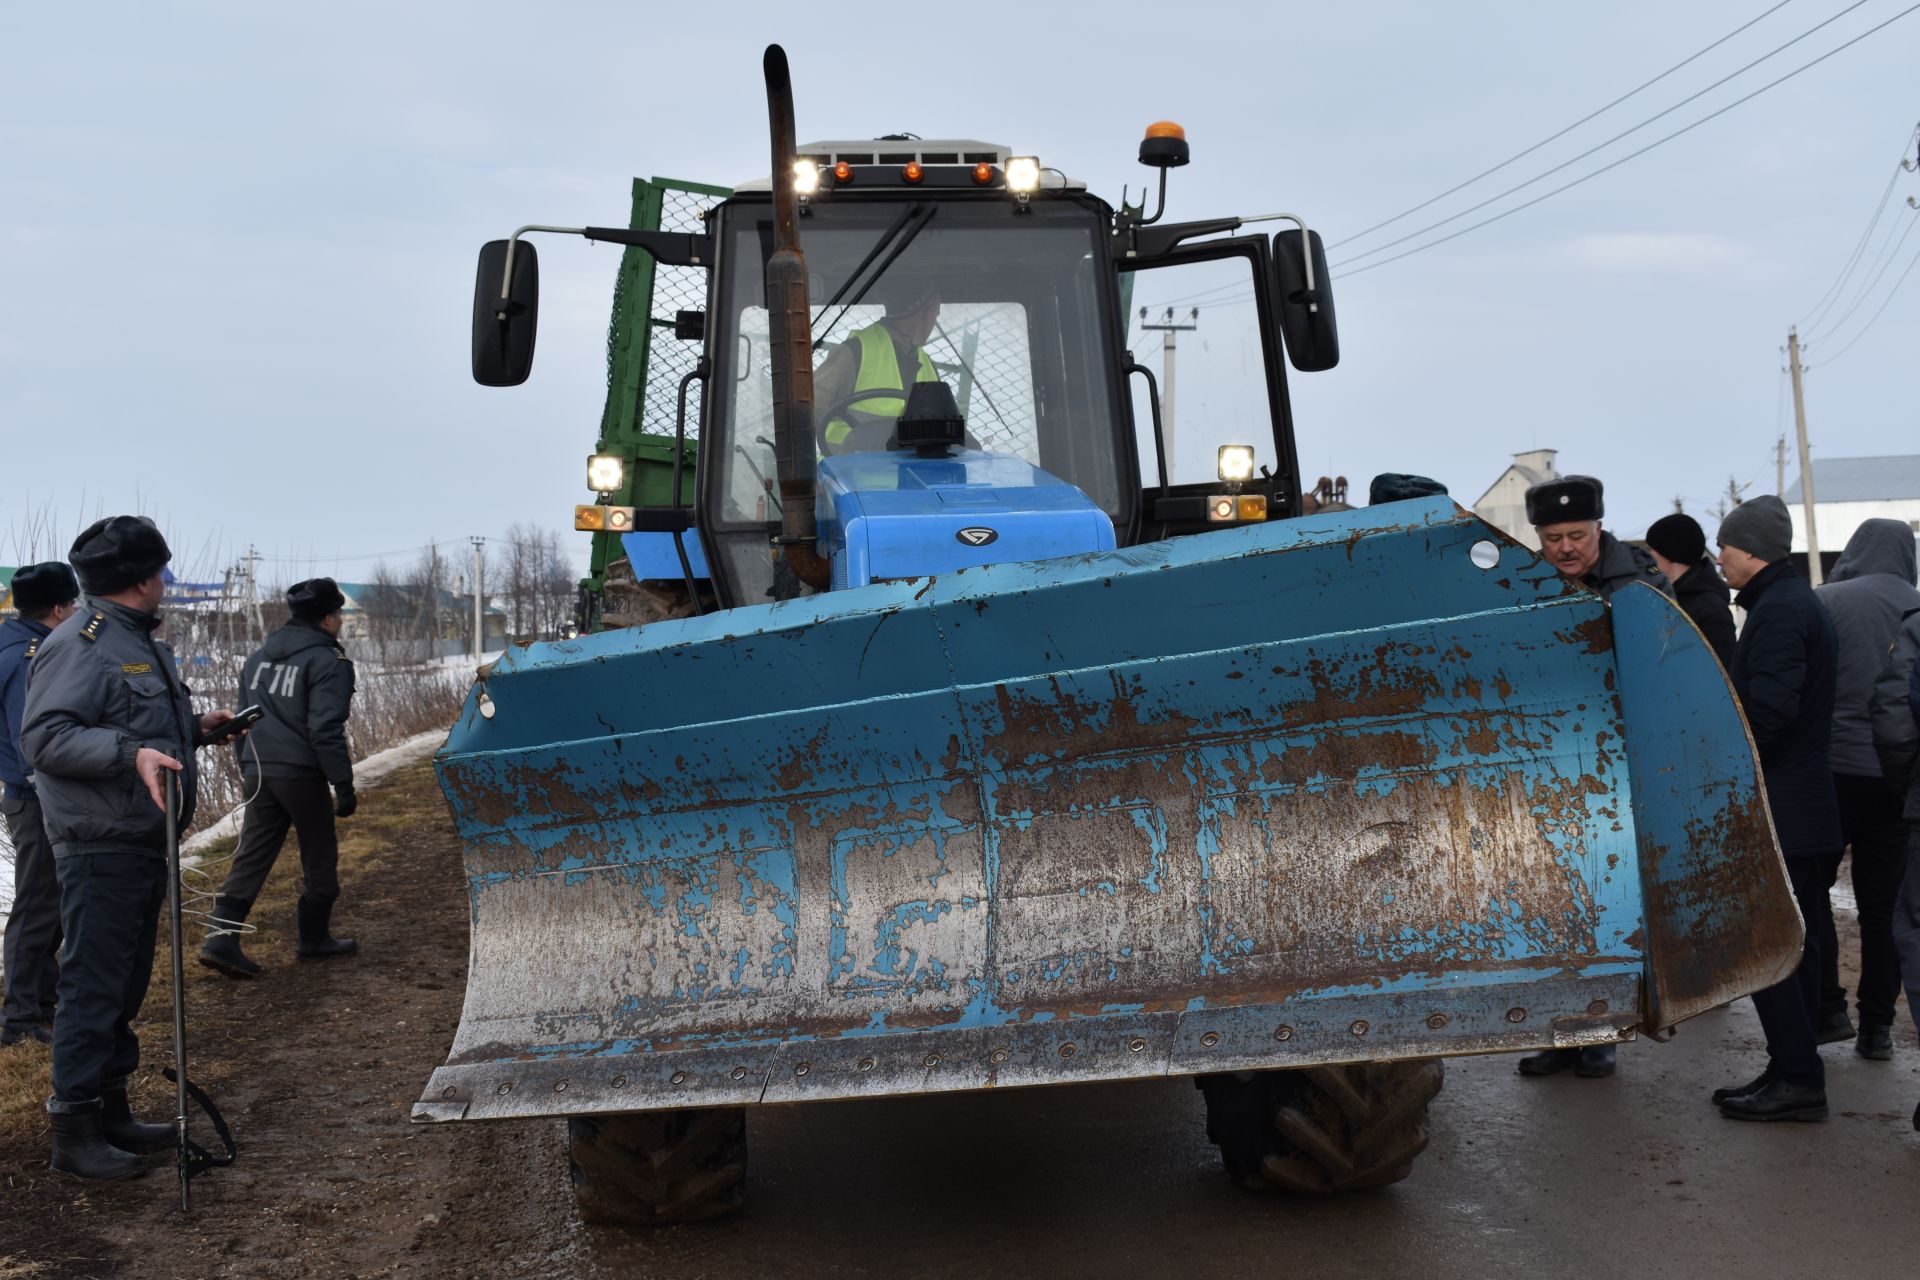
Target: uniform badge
92 630
136 668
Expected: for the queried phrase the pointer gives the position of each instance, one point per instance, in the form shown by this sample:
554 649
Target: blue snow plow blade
1352 787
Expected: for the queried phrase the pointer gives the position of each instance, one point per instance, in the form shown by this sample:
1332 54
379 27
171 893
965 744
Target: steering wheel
839 408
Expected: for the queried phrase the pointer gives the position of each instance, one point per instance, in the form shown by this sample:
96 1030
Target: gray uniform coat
100 688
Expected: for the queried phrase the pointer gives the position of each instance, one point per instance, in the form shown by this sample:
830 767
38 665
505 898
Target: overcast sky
241 237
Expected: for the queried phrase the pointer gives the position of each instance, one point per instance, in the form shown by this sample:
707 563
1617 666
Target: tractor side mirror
505 318
1306 314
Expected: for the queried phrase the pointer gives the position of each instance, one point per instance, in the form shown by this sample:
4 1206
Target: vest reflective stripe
879 371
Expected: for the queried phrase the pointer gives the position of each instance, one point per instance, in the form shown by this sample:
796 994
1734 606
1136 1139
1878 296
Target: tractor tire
658 1168
1322 1130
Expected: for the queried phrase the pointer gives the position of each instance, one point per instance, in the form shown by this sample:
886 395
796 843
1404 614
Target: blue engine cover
895 515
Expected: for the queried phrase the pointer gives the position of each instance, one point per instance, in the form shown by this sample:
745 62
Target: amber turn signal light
913 172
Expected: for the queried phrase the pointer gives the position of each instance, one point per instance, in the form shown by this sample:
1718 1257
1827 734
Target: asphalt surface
1636 1174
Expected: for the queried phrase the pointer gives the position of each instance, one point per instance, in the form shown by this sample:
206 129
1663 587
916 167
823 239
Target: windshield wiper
900 247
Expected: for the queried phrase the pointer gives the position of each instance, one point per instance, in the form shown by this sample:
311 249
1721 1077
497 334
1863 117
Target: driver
871 360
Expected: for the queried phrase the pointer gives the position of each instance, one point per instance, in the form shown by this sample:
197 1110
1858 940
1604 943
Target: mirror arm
670 249
1312 295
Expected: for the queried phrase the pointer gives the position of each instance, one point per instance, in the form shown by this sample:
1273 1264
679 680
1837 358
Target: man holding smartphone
106 720
302 681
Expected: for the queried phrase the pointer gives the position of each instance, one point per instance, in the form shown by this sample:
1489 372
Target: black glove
344 801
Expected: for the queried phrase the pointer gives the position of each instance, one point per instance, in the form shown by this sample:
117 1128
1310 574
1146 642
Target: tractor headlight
806 177
606 472
1236 463
1023 174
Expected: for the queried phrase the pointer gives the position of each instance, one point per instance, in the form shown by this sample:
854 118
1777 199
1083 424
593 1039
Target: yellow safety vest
879 370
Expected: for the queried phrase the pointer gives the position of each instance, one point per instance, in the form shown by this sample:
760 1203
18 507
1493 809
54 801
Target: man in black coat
1869 591
1679 548
1784 671
303 683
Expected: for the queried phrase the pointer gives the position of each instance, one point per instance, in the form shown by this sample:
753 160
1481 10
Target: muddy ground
318 1064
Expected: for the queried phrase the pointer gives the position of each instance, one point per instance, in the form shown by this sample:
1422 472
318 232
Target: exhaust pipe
790 355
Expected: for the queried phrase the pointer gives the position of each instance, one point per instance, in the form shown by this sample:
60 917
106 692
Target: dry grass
366 840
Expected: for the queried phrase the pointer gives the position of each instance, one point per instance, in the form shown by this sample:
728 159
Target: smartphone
241 719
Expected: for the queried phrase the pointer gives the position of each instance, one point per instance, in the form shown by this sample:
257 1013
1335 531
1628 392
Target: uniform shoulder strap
33 647
91 632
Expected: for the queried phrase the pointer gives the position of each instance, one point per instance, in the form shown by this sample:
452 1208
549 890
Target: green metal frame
629 341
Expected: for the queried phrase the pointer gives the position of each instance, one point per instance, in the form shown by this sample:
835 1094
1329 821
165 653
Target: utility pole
256 623
1780 467
1679 505
1168 327
479 593
1806 465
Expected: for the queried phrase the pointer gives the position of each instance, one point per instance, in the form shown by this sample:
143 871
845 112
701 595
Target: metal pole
1780 467
179 985
1169 328
1806 465
479 589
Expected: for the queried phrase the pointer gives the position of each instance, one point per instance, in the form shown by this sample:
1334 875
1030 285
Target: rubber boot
221 951
315 941
126 1133
80 1147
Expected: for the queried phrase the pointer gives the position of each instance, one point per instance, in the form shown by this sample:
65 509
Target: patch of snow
366 773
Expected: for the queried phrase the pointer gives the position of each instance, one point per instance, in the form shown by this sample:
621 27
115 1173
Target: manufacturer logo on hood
977 536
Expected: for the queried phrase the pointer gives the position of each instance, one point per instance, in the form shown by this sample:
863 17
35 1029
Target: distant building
1504 504
441 628
6 585
1849 491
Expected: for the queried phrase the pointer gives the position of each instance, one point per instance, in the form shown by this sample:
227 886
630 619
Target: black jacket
1783 671
302 679
1621 563
1703 594
100 688
1870 590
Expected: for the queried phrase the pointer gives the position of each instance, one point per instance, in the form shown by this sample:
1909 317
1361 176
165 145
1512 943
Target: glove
344 801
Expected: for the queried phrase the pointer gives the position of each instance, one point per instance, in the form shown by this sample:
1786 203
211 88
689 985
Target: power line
1876 315
1834 290
1634 155
1601 146
1520 155
1882 261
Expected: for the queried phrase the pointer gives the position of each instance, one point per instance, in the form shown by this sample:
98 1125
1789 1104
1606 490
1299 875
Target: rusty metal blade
1322 790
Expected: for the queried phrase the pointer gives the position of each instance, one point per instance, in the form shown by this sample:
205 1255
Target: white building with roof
1849 491
1504 504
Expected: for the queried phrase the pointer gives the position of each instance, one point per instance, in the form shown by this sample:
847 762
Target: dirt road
319 1065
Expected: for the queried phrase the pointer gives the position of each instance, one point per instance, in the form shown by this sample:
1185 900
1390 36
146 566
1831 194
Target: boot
1834 1027
315 940
1549 1062
1875 1043
81 1149
1596 1061
1780 1100
1758 1083
126 1133
221 951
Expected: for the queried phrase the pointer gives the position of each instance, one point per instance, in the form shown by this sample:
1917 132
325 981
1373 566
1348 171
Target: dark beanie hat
1565 500
1678 537
1760 527
42 586
117 553
315 598
1392 486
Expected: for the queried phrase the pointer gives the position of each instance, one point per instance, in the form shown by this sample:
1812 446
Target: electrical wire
1632 155
1884 303
1601 146
1555 137
1834 290
1882 262
200 881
